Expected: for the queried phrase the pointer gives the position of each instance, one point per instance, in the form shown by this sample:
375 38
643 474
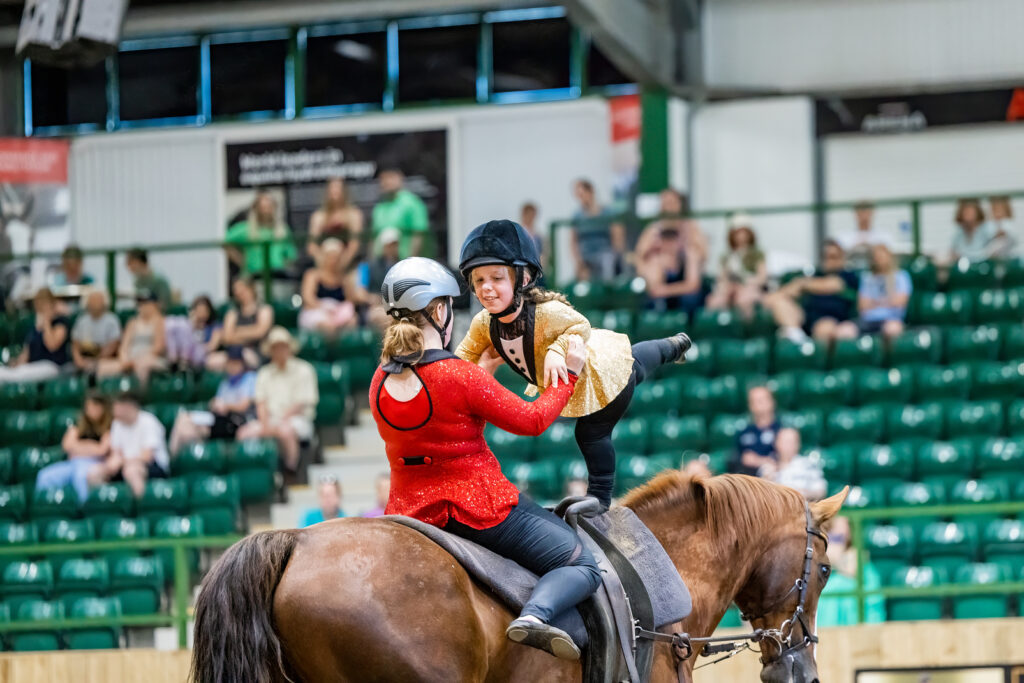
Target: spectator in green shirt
400 209
146 279
261 224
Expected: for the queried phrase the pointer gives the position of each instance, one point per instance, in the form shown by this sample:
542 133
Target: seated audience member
528 219
144 344
263 223
72 271
742 274
146 279
96 335
137 449
755 445
47 347
823 304
328 494
383 490
230 408
671 263
1001 210
86 443
190 340
245 325
337 218
977 239
883 295
857 243
792 469
286 398
329 293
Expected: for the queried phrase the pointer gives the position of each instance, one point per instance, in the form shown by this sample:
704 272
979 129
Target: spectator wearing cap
330 292
229 409
328 495
138 451
72 271
46 348
146 279
742 273
857 243
144 344
402 210
96 335
286 398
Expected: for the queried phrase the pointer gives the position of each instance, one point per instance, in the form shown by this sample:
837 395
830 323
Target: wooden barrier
893 645
95 666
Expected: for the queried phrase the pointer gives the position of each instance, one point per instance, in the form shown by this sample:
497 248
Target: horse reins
683 643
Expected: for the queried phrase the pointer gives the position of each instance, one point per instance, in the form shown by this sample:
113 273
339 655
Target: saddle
640 587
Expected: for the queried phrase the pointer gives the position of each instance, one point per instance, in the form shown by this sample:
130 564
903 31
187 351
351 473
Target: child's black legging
594 431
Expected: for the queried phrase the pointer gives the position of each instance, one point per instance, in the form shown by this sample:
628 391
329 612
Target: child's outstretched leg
594 431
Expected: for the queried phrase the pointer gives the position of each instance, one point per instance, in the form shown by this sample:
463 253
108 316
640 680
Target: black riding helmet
504 243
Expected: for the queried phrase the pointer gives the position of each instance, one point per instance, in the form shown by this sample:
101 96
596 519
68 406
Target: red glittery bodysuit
441 467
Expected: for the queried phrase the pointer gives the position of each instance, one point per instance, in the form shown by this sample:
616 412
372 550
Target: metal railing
179 615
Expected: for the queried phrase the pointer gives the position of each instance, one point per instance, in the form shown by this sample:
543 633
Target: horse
372 601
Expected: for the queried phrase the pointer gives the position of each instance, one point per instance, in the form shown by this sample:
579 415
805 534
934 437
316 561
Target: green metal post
181 594
553 254
857 536
268 289
915 225
112 278
654 142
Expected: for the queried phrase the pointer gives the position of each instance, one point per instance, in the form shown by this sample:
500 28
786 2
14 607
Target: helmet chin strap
442 330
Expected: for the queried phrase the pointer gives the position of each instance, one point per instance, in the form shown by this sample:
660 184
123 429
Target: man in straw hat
286 398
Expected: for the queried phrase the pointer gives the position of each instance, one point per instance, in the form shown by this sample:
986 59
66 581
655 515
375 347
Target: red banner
25 161
625 115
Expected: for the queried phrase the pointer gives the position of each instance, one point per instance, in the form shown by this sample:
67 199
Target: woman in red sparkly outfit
431 408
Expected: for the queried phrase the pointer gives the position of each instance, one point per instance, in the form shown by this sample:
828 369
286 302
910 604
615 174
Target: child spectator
742 274
792 469
137 448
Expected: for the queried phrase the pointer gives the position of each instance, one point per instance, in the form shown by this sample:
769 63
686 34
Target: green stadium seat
507 446
710 396
334 378
658 324
920 345
217 502
205 386
982 418
657 397
878 385
1003 541
170 388
723 429
1001 458
808 422
312 346
16 534
632 435
922 273
538 479
111 386
803 356
137 582
82 578
964 274
938 383
700 360
200 457
982 342
738 356
330 411
864 351
995 380
26 580
947 545
915 608
109 500
885 464
12 502
825 389
947 462
634 471
61 419
587 295
43 639
619 320
920 421
26 427
732 618
123 529
255 463
165 413
783 387
174 526
573 468
889 546
916 494
163 496
1013 342
19 395
34 458
865 496
60 503
837 462
69 531
66 391
1015 418
971 491
7 461
286 312
983 606
708 324
1013 273
760 325
999 306
97 637
866 423
558 440
942 308
677 434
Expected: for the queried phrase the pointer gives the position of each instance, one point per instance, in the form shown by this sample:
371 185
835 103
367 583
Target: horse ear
825 509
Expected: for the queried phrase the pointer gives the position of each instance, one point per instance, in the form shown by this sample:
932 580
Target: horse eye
826 571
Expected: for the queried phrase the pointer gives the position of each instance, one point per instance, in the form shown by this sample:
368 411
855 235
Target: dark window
63 97
350 69
247 76
437 63
601 71
531 55
159 83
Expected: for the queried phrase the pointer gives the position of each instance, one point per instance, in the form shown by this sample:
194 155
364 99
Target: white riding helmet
412 283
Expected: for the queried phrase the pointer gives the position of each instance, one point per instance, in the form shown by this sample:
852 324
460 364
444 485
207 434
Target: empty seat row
926 493
45 637
973 605
945 544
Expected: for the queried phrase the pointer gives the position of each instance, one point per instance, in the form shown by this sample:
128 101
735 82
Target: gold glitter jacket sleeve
573 322
477 339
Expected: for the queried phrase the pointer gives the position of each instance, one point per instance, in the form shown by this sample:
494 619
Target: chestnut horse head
372 601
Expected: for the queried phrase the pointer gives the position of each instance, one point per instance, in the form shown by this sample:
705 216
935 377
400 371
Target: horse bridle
682 643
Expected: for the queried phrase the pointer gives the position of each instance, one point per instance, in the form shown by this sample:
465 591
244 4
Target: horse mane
736 508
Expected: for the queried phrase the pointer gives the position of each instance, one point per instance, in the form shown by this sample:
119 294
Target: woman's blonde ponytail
402 338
